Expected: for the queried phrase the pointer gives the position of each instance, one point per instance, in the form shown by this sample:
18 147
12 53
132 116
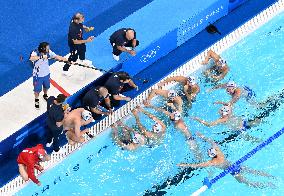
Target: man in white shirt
41 72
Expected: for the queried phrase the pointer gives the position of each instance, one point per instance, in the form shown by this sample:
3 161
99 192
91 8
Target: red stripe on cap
64 92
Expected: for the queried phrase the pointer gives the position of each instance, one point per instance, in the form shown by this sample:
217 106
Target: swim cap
172 94
212 152
231 84
222 62
157 128
41 152
86 115
225 110
137 138
177 115
192 80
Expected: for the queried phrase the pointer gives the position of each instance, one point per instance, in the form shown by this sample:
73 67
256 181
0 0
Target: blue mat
151 23
26 23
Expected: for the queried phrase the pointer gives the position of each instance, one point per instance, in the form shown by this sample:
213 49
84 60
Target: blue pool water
102 168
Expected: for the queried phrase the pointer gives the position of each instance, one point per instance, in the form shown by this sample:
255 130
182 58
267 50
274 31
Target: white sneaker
61 151
128 48
115 57
48 145
67 73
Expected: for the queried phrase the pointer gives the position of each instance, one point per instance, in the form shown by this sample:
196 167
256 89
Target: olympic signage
150 54
190 27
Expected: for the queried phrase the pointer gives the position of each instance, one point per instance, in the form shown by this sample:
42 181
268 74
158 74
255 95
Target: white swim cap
172 94
157 128
192 80
212 152
231 84
86 115
177 115
225 110
137 138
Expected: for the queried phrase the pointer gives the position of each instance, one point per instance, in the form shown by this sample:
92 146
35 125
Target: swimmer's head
221 62
41 153
192 80
225 110
172 94
157 128
137 138
231 86
212 153
175 116
86 115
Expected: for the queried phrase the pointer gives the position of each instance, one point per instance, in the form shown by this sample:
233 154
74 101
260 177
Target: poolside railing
185 70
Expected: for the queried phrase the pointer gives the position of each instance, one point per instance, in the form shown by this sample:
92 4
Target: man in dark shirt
123 40
116 84
92 100
76 42
55 116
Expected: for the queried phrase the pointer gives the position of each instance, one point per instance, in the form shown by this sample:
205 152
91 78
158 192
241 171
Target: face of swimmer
231 90
130 34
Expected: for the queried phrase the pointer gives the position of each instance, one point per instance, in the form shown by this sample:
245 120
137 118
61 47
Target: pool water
102 168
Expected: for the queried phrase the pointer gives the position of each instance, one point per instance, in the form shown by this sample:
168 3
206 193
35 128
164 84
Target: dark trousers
76 51
117 52
54 133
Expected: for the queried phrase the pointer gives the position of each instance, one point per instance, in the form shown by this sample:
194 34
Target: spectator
92 100
29 159
55 116
73 122
117 83
76 42
41 72
123 40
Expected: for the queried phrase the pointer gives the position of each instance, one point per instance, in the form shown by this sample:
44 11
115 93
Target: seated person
173 100
116 84
236 92
72 123
158 128
219 69
179 123
123 40
219 160
29 159
190 87
129 139
92 100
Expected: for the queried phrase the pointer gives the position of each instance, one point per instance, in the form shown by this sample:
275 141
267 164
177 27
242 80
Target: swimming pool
101 168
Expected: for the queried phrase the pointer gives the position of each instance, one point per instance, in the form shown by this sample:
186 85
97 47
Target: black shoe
37 103
45 96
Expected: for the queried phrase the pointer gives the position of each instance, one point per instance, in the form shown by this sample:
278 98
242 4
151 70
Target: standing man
76 42
123 40
41 72
55 116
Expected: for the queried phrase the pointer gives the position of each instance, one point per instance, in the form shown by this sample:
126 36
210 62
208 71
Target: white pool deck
17 106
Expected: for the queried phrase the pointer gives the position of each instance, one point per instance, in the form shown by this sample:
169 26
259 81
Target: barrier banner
152 53
193 25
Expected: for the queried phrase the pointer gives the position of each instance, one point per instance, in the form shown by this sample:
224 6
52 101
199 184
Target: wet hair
42 47
60 98
123 75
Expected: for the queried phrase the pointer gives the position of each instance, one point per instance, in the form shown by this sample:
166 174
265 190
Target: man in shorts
41 72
